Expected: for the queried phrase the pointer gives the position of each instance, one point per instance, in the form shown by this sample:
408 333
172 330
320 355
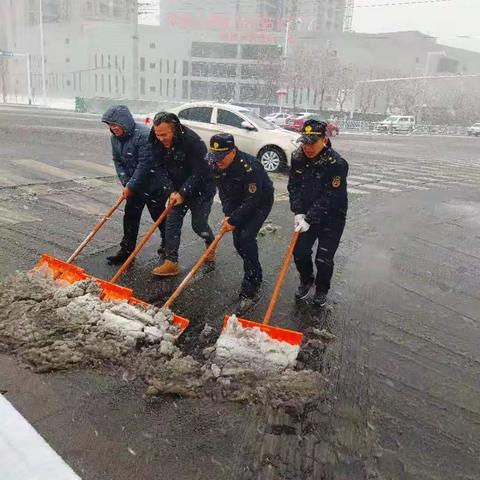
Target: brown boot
167 269
211 256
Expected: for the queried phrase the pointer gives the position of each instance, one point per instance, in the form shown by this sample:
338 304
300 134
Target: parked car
295 123
272 146
474 130
278 118
396 124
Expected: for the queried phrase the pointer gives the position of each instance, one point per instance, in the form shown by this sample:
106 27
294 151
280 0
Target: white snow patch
240 348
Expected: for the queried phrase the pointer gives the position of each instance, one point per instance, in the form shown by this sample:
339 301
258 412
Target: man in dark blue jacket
180 154
246 193
318 197
141 181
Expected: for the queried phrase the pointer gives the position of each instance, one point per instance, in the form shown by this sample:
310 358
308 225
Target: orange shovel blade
281 334
61 270
113 292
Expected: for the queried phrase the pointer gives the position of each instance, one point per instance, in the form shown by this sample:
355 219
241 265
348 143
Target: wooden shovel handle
144 240
280 279
195 269
97 227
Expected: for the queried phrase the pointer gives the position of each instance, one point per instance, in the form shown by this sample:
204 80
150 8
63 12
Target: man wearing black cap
179 154
246 193
317 186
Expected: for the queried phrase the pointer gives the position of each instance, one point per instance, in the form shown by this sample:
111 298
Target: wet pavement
403 372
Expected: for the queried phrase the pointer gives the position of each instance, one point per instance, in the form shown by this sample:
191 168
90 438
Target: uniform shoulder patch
252 187
336 181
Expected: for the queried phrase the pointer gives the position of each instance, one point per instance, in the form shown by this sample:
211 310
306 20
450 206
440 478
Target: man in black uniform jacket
246 193
179 155
318 197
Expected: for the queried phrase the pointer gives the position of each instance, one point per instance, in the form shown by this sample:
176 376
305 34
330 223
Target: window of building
79 81
152 66
160 66
168 86
142 85
160 90
174 67
96 83
185 68
68 83
152 45
197 114
123 63
96 61
109 84
67 41
152 88
67 60
116 83
174 87
168 67
123 85
101 61
142 64
225 117
214 50
109 64
185 89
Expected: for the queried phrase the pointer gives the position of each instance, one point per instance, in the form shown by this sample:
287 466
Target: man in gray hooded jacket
142 184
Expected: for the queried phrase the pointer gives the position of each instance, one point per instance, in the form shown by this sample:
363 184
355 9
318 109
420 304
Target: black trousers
133 213
245 242
200 211
328 240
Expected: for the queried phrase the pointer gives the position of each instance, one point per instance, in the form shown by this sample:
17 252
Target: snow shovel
194 269
66 270
281 334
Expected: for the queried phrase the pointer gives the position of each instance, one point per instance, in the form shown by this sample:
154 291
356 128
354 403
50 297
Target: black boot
247 302
119 257
319 299
303 290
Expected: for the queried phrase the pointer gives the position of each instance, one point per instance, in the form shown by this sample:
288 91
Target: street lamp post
42 56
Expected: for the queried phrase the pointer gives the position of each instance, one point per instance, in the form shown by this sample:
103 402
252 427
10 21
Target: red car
295 123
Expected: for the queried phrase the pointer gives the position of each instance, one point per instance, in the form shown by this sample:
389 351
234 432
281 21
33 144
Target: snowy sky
444 19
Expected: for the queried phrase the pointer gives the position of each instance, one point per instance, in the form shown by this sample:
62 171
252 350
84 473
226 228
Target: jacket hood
120 114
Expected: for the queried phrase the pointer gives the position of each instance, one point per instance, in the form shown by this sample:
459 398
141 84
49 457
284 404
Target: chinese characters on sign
258 29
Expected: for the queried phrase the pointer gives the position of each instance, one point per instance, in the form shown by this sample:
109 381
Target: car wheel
272 158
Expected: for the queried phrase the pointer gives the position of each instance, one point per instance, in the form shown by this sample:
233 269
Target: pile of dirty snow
240 348
52 325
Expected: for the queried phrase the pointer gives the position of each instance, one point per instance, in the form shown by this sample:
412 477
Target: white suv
474 130
272 145
397 123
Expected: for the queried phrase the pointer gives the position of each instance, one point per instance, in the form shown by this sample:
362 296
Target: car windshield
258 120
393 118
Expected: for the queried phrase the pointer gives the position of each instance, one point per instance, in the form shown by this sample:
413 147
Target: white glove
298 218
303 226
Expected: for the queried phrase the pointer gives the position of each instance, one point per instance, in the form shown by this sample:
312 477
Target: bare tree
343 80
299 72
3 77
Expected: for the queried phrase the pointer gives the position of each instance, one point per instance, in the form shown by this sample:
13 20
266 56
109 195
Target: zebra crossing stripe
96 167
45 169
24 454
